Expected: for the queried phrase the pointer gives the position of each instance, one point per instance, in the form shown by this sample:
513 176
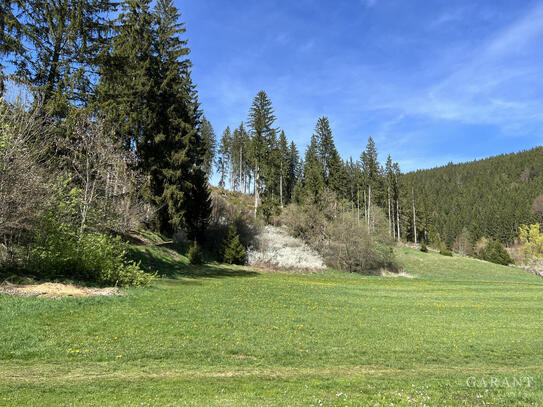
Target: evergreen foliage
496 253
224 157
232 249
66 40
313 179
150 101
210 146
490 197
195 254
331 162
261 124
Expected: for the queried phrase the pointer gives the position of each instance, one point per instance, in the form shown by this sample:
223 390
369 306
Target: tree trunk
369 206
365 207
393 223
414 216
231 174
398 236
358 204
240 167
389 213
281 189
256 188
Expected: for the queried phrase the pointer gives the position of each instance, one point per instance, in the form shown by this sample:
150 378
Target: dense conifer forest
485 198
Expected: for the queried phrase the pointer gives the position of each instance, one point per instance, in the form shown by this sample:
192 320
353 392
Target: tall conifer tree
210 144
66 39
313 171
224 156
261 120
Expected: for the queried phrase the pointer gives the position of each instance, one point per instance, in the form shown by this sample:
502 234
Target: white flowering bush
276 249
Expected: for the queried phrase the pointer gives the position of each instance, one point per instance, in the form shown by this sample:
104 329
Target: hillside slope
489 197
433 266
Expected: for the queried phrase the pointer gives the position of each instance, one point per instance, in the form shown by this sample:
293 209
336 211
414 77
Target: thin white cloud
494 85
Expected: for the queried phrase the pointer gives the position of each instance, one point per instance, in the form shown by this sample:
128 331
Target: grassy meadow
231 336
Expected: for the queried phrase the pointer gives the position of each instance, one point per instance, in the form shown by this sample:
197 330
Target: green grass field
230 336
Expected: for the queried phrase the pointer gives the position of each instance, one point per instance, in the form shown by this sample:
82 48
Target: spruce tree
232 249
370 174
313 179
294 170
65 38
148 97
224 156
284 166
127 92
331 162
261 120
210 145
177 147
236 157
11 30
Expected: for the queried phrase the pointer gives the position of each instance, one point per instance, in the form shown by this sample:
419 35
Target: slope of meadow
231 336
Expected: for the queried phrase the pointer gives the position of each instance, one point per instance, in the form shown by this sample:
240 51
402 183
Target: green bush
445 252
92 256
423 247
232 249
65 249
195 254
496 253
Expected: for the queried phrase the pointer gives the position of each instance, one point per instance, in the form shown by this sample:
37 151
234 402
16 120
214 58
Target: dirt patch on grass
54 290
387 273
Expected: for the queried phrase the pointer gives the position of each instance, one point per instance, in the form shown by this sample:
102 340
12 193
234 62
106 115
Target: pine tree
396 197
370 173
11 29
294 170
284 163
261 120
195 255
313 179
238 158
148 97
331 162
128 88
224 157
66 38
177 148
232 249
210 145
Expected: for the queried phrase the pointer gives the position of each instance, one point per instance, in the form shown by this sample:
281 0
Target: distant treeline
486 198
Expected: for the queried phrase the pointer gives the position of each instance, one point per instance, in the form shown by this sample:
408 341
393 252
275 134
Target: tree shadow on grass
167 261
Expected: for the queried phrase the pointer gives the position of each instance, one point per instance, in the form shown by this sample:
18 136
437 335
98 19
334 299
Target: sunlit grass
230 336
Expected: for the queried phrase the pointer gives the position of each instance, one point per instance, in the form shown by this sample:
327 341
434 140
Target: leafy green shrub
445 252
496 253
64 247
92 256
232 250
423 247
195 254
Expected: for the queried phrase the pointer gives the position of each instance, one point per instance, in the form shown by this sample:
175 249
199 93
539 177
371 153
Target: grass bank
231 336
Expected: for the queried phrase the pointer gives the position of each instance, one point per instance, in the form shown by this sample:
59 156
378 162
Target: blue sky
431 81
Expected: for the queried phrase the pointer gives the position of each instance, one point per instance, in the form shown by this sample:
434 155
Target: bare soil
54 290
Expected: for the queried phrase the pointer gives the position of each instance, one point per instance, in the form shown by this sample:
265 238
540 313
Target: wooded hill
490 197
